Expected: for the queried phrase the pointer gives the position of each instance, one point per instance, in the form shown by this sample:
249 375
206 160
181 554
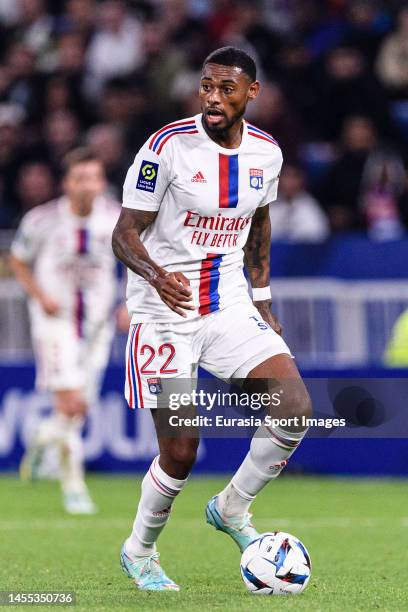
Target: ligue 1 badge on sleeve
155 385
255 178
147 176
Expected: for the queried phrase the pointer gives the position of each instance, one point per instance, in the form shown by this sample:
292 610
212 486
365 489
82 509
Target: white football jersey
72 260
205 196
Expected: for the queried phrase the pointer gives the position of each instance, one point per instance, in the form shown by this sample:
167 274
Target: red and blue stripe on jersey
160 138
82 241
257 133
82 248
228 181
209 296
133 377
79 313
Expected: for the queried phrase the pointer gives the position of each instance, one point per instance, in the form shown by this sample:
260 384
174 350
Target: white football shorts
228 343
65 361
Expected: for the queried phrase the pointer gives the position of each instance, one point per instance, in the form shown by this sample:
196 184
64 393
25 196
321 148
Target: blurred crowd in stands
107 73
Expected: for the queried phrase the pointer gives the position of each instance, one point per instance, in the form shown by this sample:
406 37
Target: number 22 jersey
205 197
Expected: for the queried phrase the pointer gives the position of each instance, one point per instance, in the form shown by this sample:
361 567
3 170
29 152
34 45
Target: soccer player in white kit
195 203
63 259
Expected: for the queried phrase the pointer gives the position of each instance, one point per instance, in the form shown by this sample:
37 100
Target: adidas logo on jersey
198 178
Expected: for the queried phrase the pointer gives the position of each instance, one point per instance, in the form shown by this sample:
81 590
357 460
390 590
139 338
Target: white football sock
268 454
65 432
72 457
158 493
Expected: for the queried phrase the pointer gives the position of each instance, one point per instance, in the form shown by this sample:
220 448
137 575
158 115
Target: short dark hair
79 155
231 56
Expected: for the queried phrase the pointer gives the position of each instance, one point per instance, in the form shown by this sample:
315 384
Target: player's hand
264 309
49 305
175 291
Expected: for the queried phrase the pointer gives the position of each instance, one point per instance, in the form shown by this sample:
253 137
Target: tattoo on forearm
257 248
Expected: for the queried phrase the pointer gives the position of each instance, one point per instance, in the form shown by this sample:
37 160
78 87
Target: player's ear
253 90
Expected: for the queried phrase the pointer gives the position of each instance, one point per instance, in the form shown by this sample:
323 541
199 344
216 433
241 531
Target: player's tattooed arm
172 287
256 259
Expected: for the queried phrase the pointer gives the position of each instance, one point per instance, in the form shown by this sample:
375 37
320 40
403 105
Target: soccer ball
276 564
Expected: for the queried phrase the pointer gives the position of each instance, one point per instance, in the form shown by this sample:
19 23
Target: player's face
85 181
224 94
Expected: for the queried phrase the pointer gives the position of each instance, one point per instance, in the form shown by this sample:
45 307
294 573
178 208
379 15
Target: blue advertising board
118 439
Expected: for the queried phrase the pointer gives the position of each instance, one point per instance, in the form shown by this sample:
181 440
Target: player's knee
297 402
77 407
303 406
71 403
184 452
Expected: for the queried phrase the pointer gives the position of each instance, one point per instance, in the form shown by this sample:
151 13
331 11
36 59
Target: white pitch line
272 523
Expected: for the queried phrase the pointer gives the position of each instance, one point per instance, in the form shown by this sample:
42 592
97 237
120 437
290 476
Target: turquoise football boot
147 572
240 528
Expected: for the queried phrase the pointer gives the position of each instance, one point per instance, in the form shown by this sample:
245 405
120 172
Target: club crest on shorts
155 385
255 178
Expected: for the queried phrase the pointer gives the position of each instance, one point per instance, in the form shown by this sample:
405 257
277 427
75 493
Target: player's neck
80 208
228 139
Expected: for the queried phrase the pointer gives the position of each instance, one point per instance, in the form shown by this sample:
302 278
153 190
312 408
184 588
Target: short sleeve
25 245
271 191
146 181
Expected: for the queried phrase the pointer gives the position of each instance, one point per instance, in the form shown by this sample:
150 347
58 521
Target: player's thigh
159 362
237 341
279 377
58 356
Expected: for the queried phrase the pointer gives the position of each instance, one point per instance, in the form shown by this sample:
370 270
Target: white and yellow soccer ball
276 563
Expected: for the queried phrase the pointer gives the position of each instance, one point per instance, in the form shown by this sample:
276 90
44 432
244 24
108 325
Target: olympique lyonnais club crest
155 385
255 178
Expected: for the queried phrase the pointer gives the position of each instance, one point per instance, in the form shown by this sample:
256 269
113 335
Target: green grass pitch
356 532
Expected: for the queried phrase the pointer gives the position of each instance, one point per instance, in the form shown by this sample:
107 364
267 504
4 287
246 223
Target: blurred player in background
63 259
195 201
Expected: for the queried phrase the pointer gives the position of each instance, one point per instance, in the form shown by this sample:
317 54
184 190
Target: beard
222 130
